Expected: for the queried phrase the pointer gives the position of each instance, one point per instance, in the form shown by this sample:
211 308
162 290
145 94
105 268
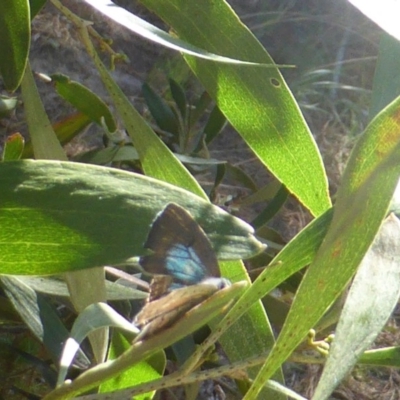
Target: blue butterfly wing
180 248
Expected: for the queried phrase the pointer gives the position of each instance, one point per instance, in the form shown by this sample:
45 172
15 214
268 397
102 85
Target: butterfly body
185 267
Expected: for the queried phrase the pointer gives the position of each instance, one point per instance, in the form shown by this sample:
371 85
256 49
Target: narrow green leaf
266 193
84 100
250 335
107 155
160 111
179 96
256 101
199 108
15 34
46 145
215 124
219 176
36 6
272 208
44 140
13 147
386 357
129 153
62 216
240 176
87 287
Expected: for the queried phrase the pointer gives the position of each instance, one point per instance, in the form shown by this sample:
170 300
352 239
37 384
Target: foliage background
332 82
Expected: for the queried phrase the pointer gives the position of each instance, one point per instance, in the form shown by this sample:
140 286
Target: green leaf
107 155
371 300
363 199
266 193
179 96
46 145
15 34
160 111
256 101
215 124
13 147
272 208
36 6
44 141
386 356
240 176
58 217
84 100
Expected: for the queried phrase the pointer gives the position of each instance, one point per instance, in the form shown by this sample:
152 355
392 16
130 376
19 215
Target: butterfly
185 270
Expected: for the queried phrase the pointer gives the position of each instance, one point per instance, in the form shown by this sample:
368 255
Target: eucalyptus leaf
62 216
